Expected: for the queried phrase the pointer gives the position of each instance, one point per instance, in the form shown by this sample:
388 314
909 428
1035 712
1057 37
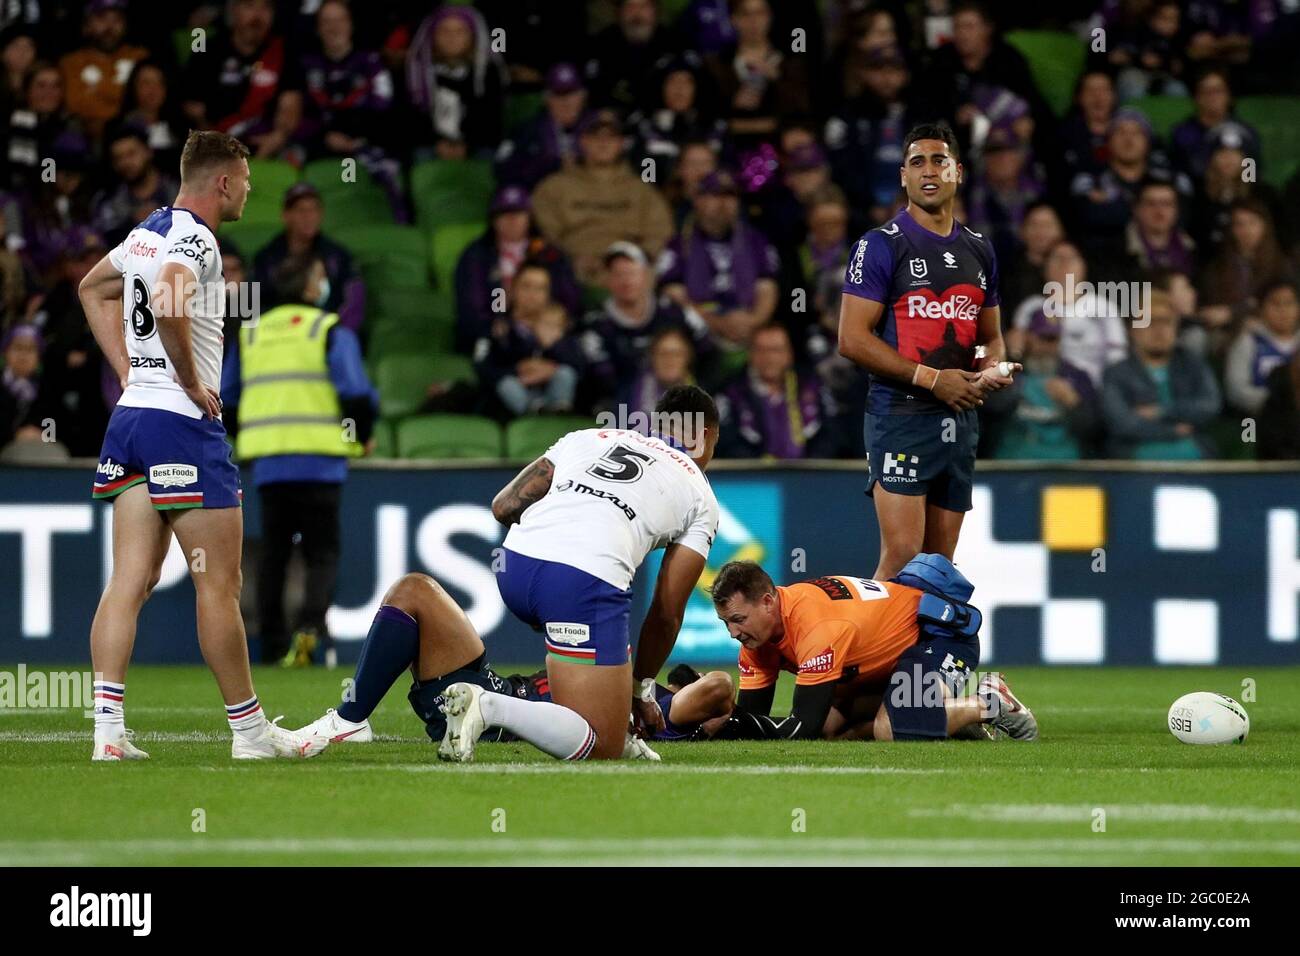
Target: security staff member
295 391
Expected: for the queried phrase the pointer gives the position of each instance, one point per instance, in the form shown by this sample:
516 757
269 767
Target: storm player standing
920 294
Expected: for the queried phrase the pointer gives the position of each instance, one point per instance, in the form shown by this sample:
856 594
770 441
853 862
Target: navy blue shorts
585 619
914 696
186 461
426 697
908 455
671 730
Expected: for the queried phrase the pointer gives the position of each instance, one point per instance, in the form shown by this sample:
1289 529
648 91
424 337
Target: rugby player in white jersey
156 305
583 517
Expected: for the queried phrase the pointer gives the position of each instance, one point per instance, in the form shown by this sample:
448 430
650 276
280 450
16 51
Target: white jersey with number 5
169 234
615 497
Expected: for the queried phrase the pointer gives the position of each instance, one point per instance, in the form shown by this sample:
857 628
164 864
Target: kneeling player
583 517
842 635
419 627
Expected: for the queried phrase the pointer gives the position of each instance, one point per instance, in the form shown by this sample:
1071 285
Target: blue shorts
427 700
584 618
671 730
186 461
914 694
908 455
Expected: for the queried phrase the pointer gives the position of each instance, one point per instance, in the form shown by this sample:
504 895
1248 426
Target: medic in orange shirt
847 638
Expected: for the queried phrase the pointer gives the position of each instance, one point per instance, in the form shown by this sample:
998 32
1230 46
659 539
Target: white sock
551 728
110 716
246 719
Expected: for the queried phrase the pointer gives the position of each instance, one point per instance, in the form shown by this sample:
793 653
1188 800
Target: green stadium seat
406 305
1055 60
347 204
670 10
389 255
450 191
271 179
593 296
403 379
449 436
529 437
327 176
1277 120
730 362
1164 112
408 320
385 441
445 248
1224 433
521 107
249 237
389 337
441 323
363 207
183 41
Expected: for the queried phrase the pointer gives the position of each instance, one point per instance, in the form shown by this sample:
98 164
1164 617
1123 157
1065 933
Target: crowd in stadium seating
532 210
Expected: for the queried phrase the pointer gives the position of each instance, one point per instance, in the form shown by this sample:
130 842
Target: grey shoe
1014 719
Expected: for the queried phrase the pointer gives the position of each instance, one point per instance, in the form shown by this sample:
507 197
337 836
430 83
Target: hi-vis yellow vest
287 403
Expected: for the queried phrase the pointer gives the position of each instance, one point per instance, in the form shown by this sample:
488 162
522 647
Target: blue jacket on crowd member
358 397
1185 390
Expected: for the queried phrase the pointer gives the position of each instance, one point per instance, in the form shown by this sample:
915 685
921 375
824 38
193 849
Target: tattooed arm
528 486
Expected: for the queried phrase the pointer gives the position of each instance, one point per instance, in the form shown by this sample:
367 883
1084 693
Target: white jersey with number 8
169 234
615 497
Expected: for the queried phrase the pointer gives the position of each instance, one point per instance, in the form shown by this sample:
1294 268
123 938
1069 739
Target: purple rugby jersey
933 289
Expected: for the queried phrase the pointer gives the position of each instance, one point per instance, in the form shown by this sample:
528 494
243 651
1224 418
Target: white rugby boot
461 707
634 748
337 730
277 741
116 748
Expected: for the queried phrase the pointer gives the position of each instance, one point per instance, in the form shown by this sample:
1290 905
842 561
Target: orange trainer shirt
836 628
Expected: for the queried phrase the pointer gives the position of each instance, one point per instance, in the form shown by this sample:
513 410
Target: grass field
391 802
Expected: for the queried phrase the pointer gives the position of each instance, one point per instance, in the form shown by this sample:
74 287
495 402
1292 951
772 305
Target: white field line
1081 812
157 736
609 769
656 851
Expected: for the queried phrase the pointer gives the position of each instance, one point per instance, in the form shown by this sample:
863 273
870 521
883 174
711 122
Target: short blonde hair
208 148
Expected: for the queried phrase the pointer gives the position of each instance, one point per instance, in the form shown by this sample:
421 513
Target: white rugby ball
1205 718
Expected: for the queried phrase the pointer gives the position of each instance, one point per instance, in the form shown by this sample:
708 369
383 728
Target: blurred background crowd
528 211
